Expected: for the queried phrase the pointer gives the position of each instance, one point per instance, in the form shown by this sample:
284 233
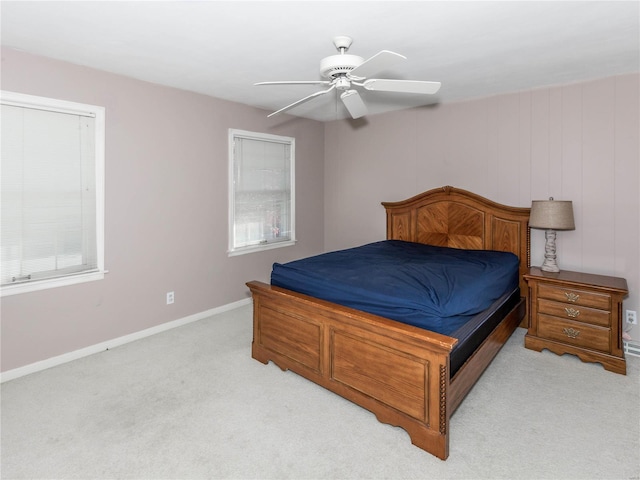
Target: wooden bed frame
397 371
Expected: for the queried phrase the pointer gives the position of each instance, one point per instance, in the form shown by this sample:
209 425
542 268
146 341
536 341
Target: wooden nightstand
577 313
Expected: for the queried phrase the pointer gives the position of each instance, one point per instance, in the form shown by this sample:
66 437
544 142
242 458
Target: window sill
34 286
260 248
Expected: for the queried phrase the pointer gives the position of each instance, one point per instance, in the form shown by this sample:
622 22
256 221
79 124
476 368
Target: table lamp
551 215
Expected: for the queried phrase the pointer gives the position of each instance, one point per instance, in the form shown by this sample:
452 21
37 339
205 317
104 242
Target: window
261 191
52 193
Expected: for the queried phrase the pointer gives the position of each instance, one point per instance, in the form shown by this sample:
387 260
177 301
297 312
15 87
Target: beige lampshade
552 214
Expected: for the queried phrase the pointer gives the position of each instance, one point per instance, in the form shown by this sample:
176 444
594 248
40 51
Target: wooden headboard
452 217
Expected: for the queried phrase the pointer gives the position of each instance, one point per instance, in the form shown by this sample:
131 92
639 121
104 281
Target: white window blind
262 191
50 190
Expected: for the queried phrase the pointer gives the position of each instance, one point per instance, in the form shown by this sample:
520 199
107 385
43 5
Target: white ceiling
220 48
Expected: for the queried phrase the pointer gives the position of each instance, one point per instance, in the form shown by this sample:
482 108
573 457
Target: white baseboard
116 342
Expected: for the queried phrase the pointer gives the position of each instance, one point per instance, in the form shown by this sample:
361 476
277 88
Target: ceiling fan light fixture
342 83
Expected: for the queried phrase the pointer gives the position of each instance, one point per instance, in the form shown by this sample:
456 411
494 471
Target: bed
408 376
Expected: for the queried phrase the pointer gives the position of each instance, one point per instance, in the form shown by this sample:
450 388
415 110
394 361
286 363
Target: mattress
436 288
478 327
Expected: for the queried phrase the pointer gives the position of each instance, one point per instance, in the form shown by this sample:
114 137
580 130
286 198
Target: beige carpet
191 403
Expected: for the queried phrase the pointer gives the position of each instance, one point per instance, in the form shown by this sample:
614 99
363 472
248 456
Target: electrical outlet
632 317
170 298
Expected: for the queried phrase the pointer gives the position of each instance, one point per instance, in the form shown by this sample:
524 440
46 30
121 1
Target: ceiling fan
345 71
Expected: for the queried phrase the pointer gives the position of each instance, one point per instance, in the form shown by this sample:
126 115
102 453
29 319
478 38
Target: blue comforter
436 288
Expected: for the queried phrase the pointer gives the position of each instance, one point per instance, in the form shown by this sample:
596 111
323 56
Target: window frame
233 134
98 112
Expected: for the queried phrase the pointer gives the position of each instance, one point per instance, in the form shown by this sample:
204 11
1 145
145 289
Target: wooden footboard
398 372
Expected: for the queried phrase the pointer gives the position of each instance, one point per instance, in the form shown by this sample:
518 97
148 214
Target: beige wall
576 142
166 195
166 210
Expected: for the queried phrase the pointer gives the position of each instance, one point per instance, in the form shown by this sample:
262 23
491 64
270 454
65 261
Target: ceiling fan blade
379 62
302 100
354 103
296 82
401 86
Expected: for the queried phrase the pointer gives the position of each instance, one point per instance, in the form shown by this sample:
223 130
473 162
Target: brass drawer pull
571 297
572 312
571 332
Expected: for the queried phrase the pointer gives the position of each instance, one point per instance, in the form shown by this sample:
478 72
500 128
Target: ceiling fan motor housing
337 65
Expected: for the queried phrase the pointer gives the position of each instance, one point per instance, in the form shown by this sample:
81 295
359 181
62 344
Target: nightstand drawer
577 297
574 333
575 312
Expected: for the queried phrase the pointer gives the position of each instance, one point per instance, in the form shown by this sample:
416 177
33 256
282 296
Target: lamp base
550 264
549 268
